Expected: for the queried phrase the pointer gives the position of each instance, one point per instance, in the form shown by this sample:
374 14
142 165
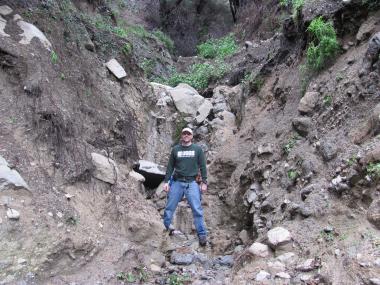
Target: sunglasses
186 134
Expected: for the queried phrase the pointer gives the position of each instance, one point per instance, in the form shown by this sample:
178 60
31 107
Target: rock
308 265
251 196
259 249
275 267
30 32
366 29
137 176
244 237
181 258
372 53
155 268
233 96
266 148
10 178
186 99
283 275
308 102
374 281
114 66
105 168
201 258
302 125
227 260
22 261
373 214
327 149
12 214
203 111
151 167
278 236
5 10
248 44
3 23
262 275
307 190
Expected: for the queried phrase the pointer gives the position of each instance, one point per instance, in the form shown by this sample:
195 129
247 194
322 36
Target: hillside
286 108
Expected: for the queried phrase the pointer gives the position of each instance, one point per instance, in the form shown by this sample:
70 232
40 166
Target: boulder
203 111
12 214
327 149
29 32
3 23
266 148
181 258
278 236
105 168
308 265
5 10
233 97
259 249
372 53
244 237
262 275
367 29
114 66
151 167
137 176
373 214
10 178
302 125
308 102
186 99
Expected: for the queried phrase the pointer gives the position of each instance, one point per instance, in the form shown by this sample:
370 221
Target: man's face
187 137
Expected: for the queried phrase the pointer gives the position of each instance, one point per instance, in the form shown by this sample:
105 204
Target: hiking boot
202 240
171 230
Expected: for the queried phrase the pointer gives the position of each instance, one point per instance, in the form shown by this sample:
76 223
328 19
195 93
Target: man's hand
203 187
166 187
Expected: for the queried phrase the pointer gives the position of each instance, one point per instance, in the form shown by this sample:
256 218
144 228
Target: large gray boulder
186 99
203 111
10 178
105 168
30 31
308 102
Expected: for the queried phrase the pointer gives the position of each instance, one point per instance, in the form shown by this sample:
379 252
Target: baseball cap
187 130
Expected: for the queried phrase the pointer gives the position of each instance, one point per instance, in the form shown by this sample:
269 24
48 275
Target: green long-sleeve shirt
186 161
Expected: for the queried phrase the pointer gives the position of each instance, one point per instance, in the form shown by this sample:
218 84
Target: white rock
307 265
59 215
186 99
305 277
30 32
375 281
50 214
283 275
10 177
12 214
308 102
266 148
5 10
151 167
259 249
262 275
137 176
105 168
278 236
22 261
275 267
243 235
203 111
114 66
1 221
288 258
155 268
17 17
3 23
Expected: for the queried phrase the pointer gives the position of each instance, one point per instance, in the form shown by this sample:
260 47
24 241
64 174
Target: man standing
186 159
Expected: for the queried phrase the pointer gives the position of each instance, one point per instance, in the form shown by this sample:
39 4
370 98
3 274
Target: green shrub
218 48
324 45
295 4
293 174
148 66
165 39
327 100
290 144
199 75
138 31
53 57
373 170
127 49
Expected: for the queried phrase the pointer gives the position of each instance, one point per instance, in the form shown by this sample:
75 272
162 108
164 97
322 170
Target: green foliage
373 170
199 75
352 160
72 221
327 236
295 4
324 45
218 48
165 39
138 31
175 279
53 57
180 125
148 66
254 83
121 276
62 76
127 49
293 174
290 144
327 100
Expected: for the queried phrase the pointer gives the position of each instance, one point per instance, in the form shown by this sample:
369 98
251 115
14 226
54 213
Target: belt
184 178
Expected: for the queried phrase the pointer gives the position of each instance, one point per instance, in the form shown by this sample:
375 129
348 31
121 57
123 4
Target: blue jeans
193 195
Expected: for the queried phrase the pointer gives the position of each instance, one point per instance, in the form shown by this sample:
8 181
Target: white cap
187 130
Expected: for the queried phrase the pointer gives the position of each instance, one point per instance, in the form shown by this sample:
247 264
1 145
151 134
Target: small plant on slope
218 48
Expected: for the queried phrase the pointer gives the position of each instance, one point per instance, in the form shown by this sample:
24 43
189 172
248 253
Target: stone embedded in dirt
12 214
367 29
275 267
283 275
5 10
181 258
266 148
30 32
186 99
328 150
374 281
278 236
22 261
259 249
137 176
244 237
308 102
302 125
10 178
373 214
262 275
155 268
308 265
227 260
114 66
105 168
307 190
203 111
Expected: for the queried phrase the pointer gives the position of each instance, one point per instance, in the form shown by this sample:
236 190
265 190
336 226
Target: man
186 159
